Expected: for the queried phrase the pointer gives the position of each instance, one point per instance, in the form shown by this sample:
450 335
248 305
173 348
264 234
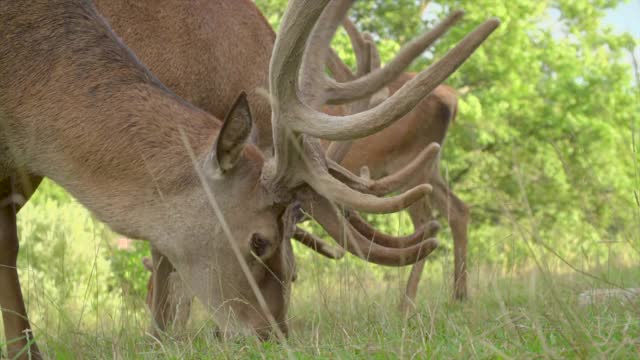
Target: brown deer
78 107
150 35
382 152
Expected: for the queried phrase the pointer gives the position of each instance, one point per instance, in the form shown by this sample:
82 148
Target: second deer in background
387 151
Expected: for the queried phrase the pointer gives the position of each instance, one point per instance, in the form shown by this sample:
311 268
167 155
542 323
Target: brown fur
77 106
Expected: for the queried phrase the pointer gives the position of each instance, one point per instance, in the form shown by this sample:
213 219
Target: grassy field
85 300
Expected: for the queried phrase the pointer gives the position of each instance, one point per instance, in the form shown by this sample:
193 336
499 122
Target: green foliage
549 145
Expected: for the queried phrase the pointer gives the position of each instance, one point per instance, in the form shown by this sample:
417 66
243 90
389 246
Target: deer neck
78 107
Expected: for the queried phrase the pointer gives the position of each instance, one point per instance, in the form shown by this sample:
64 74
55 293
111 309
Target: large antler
299 159
367 60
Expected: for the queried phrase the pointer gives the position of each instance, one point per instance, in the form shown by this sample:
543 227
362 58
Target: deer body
84 121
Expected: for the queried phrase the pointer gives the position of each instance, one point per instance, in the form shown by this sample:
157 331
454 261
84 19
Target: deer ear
234 133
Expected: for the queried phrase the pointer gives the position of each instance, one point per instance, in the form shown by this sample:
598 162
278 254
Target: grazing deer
78 107
383 152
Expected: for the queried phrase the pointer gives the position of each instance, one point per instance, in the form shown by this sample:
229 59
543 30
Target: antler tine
359 46
375 61
338 93
338 150
368 59
331 188
338 68
312 77
329 217
318 245
362 124
373 53
364 56
367 55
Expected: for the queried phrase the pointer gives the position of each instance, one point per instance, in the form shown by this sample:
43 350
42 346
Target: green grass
522 316
85 301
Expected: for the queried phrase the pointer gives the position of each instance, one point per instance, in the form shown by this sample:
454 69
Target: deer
79 108
149 28
382 152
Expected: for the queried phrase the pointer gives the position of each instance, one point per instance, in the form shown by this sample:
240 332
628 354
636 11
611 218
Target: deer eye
259 245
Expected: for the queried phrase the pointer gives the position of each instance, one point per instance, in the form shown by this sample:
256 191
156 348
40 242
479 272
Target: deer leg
162 308
457 213
18 334
420 213
178 297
